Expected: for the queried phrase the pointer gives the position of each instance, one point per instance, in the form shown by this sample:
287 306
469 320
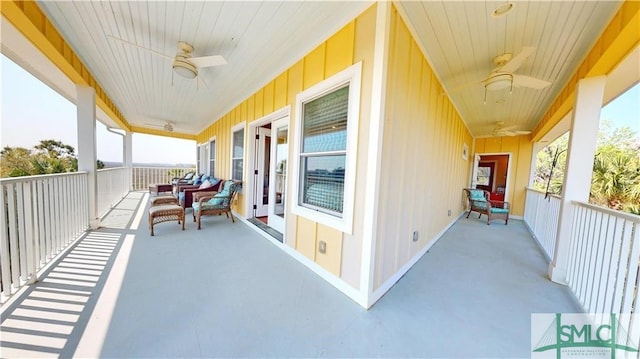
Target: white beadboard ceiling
259 40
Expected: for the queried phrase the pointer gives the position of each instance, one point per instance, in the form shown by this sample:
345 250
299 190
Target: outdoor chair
184 179
479 202
216 204
186 193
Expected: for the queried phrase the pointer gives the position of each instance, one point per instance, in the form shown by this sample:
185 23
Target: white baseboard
355 295
386 286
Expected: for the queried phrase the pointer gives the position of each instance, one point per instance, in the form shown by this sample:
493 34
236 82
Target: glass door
278 174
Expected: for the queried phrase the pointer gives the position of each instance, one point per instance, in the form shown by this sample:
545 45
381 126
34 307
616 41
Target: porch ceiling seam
37 29
619 38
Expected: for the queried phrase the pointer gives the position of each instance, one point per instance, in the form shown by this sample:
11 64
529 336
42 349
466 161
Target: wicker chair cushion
499 210
221 198
477 195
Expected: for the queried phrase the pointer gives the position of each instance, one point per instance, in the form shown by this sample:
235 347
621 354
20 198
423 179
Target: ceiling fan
504 76
502 130
167 126
183 63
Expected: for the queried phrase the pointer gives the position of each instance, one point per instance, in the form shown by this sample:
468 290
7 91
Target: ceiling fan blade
208 61
528 81
517 60
141 47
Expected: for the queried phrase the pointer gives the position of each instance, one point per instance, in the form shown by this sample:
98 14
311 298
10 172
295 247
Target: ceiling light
184 68
503 9
498 82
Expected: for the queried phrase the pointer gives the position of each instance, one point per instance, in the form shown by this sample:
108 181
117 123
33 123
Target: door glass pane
267 168
282 149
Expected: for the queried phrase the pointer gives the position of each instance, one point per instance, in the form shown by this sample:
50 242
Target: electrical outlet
322 247
449 213
415 236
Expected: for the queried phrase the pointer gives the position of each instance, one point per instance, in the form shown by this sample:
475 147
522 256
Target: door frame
277 220
250 155
509 155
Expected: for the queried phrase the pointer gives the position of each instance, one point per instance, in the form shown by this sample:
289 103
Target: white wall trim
386 286
357 296
374 158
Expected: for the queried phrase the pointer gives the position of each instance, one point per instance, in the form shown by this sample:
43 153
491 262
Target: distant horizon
155 164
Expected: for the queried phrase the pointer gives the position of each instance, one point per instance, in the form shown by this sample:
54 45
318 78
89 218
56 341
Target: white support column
87 153
580 155
127 154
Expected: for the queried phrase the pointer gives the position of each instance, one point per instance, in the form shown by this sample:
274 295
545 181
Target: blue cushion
499 210
181 196
221 197
477 195
195 206
480 204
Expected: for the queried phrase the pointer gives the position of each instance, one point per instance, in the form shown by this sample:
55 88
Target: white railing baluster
541 216
5 260
30 236
42 234
22 242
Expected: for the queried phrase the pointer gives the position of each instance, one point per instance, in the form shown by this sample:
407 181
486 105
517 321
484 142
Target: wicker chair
479 202
216 204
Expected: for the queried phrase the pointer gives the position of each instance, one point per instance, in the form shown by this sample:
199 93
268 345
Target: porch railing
604 259
40 216
541 216
142 177
113 185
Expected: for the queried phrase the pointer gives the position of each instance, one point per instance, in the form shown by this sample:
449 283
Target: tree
49 156
15 162
616 169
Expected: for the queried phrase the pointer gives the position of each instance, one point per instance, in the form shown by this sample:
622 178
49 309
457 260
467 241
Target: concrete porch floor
225 291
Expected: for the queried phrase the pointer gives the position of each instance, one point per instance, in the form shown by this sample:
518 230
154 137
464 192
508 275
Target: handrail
624 215
543 192
111 169
8 180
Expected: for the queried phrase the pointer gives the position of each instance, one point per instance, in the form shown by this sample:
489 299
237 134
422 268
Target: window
484 173
198 158
212 157
324 151
237 153
327 118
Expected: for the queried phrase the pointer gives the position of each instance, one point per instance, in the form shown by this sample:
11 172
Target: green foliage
49 156
616 169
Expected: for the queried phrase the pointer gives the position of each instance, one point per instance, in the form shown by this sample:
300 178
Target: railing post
577 180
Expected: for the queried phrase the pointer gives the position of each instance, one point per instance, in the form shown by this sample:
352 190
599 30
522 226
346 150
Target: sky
54 117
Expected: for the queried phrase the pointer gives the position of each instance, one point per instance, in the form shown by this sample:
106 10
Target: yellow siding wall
521 149
350 45
422 170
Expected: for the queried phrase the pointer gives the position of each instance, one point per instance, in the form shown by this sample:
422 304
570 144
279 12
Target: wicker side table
164 213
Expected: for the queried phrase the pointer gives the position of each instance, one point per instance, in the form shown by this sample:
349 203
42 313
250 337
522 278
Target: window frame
234 129
351 76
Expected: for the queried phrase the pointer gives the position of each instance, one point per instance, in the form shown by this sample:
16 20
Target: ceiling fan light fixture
503 9
499 82
184 68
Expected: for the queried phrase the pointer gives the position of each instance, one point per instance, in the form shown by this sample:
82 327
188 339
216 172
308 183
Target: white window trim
209 154
351 75
234 129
